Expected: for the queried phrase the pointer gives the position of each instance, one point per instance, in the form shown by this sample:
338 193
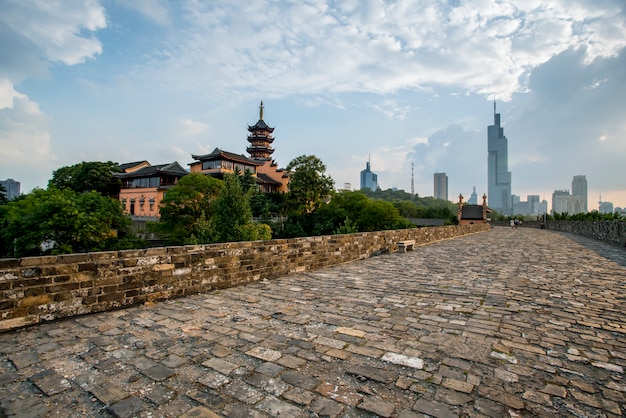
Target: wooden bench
406 245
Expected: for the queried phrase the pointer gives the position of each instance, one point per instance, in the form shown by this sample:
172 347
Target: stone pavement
510 322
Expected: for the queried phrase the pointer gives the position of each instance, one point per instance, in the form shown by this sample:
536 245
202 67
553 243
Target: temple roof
173 169
126 167
260 125
265 179
219 154
472 212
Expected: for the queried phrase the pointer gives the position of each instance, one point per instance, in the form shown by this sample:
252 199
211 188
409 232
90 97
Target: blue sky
399 83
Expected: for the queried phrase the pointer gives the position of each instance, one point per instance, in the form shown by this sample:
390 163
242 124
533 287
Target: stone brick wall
38 289
612 232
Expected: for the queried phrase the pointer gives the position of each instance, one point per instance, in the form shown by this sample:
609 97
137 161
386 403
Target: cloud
154 10
393 109
25 140
57 27
190 127
369 46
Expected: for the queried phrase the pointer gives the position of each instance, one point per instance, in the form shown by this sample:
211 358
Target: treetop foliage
88 176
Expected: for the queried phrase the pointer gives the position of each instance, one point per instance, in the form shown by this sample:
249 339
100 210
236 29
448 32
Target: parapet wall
39 289
613 232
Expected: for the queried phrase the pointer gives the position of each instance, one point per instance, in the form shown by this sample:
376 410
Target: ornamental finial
261 111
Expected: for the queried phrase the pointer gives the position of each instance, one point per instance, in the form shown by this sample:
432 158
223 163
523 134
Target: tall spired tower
260 139
498 174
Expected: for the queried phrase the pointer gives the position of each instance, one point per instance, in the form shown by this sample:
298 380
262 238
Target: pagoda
260 139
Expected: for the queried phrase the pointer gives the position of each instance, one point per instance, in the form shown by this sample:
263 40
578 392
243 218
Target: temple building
144 186
469 214
269 177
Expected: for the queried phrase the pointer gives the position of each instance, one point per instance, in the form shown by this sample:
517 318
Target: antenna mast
412 181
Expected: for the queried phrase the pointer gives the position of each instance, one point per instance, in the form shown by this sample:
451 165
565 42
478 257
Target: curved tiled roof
260 125
219 154
173 169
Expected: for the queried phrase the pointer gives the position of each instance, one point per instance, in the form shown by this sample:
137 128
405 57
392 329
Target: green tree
248 182
88 176
3 195
233 216
64 222
308 184
378 215
187 210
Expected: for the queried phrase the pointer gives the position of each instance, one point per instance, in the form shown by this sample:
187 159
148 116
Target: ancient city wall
38 289
612 232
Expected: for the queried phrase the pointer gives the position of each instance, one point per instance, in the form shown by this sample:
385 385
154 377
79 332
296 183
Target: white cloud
154 10
315 47
190 127
57 27
8 94
25 140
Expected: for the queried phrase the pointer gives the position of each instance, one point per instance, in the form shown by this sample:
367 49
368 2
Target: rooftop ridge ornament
261 108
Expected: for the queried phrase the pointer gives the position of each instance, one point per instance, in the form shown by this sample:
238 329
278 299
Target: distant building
12 187
473 200
579 188
563 202
441 186
369 180
498 174
532 205
605 207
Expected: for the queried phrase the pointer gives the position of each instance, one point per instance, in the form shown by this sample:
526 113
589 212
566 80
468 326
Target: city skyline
407 83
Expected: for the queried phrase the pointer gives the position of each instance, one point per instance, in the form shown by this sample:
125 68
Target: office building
565 203
369 180
498 174
532 205
441 186
12 188
579 188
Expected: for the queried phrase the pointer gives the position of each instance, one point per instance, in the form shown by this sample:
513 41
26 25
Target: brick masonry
40 289
611 232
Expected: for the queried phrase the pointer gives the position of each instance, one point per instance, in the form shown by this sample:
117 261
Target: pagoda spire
260 138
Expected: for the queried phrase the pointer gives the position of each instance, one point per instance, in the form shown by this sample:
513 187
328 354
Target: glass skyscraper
498 174
441 186
369 180
579 188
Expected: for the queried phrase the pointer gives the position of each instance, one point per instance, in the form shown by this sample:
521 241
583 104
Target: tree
187 210
63 221
87 176
3 195
378 215
233 216
308 185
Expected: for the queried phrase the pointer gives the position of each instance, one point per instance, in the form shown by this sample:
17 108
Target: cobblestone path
506 323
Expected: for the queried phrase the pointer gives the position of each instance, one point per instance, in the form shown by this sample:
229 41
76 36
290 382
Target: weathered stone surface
542 336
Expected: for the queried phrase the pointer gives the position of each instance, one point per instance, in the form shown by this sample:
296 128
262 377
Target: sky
407 85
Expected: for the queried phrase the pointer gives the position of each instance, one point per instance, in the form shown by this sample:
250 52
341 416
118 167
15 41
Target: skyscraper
473 200
369 180
498 174
579 188
441 186
12 188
